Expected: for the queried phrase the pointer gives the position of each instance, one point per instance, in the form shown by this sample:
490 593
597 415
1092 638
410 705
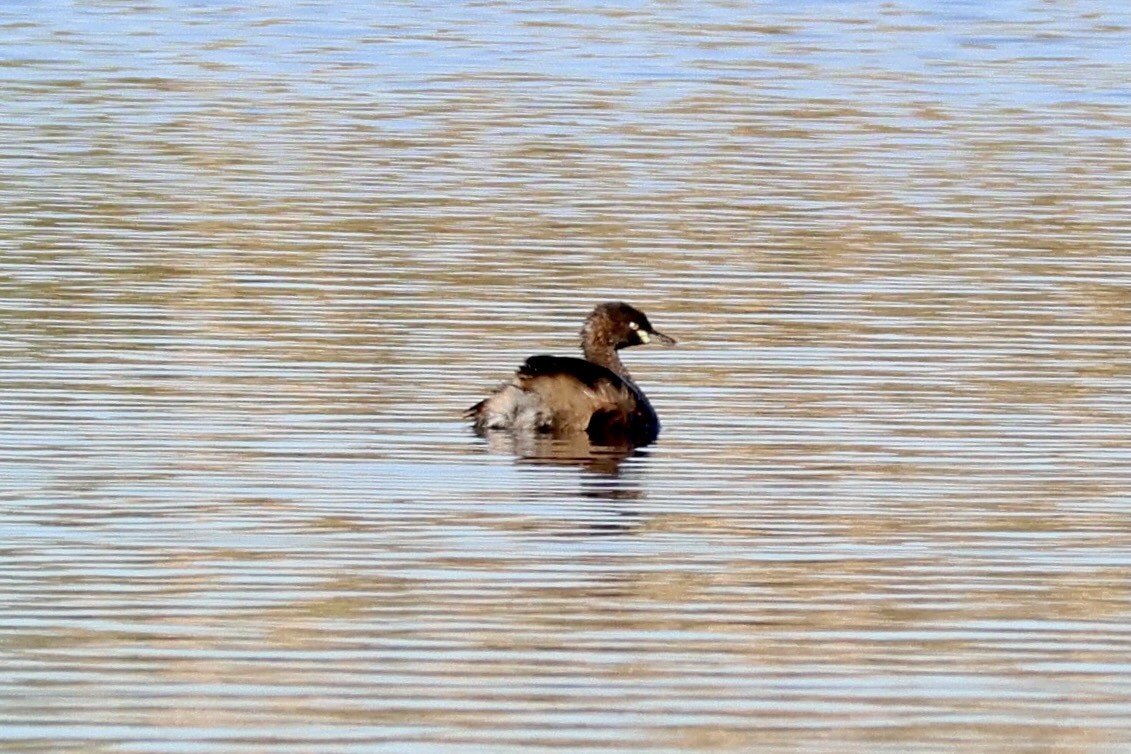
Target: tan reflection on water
256 263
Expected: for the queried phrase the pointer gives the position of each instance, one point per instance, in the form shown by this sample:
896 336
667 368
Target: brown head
616 325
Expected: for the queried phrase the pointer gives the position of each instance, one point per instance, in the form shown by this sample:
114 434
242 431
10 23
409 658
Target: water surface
257 259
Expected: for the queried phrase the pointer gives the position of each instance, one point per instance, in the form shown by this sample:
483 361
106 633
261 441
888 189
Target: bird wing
576 389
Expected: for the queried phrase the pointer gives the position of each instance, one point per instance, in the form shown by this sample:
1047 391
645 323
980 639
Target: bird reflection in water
569 449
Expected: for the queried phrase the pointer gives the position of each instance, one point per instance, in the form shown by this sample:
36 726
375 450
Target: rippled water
257 259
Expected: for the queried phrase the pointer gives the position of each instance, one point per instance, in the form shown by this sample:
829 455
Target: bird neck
605 355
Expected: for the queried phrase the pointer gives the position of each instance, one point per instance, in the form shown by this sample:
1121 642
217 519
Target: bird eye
633 326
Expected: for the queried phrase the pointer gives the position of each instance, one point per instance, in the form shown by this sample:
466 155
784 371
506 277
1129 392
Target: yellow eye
633 326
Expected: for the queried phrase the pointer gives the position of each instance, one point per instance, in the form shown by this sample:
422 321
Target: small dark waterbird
563 395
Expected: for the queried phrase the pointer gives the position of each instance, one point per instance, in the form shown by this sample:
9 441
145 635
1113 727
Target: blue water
257 259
